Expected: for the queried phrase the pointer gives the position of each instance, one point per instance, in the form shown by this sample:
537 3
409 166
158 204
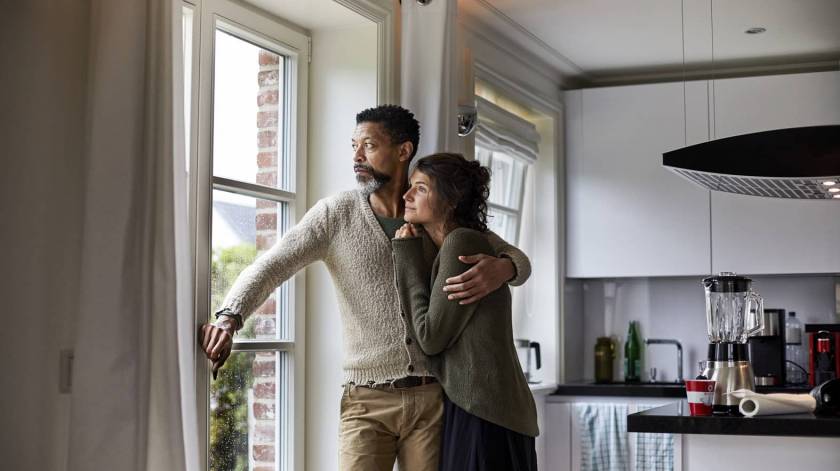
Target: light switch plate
65 371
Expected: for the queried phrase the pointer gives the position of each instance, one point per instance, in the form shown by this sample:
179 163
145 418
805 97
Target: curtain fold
133 403
429 73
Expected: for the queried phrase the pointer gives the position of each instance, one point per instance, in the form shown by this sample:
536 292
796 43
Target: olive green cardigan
470 347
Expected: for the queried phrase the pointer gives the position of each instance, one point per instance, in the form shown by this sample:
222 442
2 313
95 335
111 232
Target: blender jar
733 310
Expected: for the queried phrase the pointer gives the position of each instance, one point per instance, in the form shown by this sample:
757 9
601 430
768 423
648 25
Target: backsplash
669 308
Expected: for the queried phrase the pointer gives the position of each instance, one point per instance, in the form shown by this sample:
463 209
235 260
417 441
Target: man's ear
406 149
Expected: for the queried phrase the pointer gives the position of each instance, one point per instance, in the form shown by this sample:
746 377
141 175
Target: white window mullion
262 346
253 190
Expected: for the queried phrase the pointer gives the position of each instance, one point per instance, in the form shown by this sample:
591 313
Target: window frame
294 44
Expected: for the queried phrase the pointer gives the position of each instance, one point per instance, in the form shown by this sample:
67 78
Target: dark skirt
474 444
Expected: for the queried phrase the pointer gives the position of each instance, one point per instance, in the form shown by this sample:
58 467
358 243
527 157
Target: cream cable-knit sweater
343 232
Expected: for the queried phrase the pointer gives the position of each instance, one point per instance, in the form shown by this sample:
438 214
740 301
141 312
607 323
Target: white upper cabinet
626 214
754 235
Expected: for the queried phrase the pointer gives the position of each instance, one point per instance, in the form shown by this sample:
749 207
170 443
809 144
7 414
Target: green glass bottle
632 356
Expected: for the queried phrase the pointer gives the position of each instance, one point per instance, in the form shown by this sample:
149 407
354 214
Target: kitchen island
694 443
653 390
675 418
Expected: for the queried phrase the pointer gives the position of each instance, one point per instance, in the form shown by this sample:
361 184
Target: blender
733 313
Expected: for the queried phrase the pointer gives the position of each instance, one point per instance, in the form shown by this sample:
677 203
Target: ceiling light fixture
800 163
834 190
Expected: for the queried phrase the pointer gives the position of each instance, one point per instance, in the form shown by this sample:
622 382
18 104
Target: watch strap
236 317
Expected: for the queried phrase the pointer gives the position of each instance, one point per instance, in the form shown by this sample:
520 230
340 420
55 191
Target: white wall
342 83
535 304
532 90
493 52
673 308
43 61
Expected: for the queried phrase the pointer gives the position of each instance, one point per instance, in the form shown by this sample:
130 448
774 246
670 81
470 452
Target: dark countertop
649 389
674 418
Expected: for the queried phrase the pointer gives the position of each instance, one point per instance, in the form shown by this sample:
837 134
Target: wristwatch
228 313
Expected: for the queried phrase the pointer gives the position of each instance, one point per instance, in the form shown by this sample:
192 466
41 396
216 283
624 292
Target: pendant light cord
712 131
714 77
685 101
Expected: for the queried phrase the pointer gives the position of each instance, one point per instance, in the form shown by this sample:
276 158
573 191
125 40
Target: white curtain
429 72
133 400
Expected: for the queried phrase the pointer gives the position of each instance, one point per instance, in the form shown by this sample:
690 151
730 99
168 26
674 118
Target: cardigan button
408 340
411 368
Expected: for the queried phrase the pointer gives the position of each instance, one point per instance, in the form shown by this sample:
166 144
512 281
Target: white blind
500 130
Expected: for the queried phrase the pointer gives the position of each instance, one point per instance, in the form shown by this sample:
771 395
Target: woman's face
421 200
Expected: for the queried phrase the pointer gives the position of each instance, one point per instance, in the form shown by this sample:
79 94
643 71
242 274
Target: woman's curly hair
462 187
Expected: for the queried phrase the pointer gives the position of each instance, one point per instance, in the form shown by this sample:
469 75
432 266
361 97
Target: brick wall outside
263 397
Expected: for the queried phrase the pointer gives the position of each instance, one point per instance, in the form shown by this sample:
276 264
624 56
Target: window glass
507 176
248 95
504 225
506 181
244 228
244 414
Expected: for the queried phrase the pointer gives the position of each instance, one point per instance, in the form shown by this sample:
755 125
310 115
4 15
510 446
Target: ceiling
605 40
311 14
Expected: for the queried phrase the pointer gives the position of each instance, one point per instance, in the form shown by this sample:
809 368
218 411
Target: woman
490 419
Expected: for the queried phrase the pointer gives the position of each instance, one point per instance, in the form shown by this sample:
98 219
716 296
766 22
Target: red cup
700 393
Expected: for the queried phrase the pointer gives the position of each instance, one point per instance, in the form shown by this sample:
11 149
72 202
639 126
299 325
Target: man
391 408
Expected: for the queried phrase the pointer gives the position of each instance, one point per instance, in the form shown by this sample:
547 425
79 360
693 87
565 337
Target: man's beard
371 183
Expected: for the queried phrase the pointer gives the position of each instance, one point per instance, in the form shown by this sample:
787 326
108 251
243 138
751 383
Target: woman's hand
217 341
407 230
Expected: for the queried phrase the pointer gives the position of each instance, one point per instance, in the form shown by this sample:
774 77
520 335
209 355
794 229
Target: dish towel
654 451
753 403
603 436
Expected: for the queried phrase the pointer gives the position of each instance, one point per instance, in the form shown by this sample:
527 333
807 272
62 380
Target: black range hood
801 163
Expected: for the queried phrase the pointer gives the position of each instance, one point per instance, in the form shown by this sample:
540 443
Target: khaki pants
381 425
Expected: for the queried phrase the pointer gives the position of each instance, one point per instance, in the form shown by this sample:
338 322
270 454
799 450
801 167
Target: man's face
376 159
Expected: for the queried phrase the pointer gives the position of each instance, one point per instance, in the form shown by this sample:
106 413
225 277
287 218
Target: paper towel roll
753 403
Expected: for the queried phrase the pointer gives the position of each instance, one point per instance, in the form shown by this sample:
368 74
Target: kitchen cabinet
564 437
558 429
626 214
769 235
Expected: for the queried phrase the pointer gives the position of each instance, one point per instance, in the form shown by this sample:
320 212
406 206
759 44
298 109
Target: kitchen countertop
674 418
648 389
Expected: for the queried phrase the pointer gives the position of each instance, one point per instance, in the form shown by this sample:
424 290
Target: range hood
801 163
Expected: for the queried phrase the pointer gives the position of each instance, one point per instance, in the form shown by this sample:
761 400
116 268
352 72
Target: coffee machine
824 352
767 349
733 313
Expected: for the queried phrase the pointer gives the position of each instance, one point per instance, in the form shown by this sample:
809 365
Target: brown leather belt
402 383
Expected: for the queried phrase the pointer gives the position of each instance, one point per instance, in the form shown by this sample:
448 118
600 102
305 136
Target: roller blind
500 130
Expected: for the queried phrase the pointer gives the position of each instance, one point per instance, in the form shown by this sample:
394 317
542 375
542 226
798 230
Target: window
249 81
504 205
507 145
